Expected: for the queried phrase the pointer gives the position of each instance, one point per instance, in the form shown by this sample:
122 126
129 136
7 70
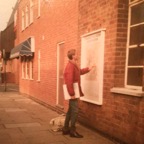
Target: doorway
60 69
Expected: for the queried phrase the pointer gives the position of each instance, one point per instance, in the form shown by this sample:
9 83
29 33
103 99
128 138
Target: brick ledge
126 91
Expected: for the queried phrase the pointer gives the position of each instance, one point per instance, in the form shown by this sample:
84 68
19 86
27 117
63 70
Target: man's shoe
65 132
75 135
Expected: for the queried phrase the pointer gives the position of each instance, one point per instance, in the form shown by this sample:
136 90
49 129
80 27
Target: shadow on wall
10 77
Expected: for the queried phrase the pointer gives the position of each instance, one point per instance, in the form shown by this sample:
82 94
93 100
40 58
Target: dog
57 123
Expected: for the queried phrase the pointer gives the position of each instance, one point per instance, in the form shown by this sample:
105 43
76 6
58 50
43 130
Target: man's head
71 53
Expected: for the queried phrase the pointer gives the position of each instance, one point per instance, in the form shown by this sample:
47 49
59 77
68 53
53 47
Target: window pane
137 13
136 56
137 35
135 76
23 69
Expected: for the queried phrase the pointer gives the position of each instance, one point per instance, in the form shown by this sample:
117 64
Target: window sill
28 79
38 17
126 91
30 23
91 101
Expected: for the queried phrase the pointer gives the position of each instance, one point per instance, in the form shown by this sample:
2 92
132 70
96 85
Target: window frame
23 69
27 69
39 66
31 70
23 20
131 4
31 11
39 8
27 16
15 18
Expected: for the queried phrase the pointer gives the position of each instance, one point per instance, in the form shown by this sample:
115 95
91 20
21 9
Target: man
72 75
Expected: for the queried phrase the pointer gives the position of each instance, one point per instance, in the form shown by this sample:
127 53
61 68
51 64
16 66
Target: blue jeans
72 115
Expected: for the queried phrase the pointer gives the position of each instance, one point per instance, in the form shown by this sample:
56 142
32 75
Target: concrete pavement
24 121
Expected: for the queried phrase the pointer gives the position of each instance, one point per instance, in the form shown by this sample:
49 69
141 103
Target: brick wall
7 43
121 116
7 38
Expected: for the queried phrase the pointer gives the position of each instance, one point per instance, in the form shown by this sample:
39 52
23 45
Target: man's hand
92 67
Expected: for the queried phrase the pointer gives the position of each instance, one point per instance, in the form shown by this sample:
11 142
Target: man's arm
86 70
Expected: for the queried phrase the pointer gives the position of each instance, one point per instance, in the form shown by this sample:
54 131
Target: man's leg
74 113
67 120
74 116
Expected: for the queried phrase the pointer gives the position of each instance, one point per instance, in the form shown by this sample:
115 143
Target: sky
5 12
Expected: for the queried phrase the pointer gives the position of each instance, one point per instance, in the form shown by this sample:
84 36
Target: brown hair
70 53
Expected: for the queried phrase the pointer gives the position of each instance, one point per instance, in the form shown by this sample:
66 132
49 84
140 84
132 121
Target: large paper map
92 53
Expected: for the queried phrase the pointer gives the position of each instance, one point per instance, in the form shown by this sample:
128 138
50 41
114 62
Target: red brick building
9 71
121 114
45 30
106 33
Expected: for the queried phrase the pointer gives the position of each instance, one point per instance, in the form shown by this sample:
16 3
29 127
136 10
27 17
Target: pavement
24 121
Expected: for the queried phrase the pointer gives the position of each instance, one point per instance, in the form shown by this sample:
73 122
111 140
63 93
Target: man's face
75 57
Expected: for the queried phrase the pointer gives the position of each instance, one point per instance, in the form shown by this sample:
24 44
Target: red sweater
72 75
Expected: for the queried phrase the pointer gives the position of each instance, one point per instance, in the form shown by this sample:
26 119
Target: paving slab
58 143
22 125
15 110
24 121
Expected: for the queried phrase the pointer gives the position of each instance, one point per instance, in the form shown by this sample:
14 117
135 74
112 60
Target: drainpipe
4 60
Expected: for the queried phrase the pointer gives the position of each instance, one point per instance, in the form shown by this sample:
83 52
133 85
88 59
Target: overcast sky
5 12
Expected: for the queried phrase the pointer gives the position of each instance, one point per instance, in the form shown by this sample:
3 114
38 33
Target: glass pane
137 35
137 13
136 56
135 76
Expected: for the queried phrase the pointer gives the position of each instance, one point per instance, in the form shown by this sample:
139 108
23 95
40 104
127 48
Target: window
135 47
23 69
15 24
15 18
23 20
27 15
27 68
39 55
39 5
31 69
31 11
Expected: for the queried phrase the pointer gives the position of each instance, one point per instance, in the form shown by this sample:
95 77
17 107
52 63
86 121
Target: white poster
92 53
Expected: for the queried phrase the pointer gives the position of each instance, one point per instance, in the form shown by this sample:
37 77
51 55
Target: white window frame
26 16
25 73
39 8
31 11
26 69
135 2
31 69
23 20
23 70
15 18
39 66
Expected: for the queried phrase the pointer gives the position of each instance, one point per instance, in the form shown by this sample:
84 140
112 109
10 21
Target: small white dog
57 123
